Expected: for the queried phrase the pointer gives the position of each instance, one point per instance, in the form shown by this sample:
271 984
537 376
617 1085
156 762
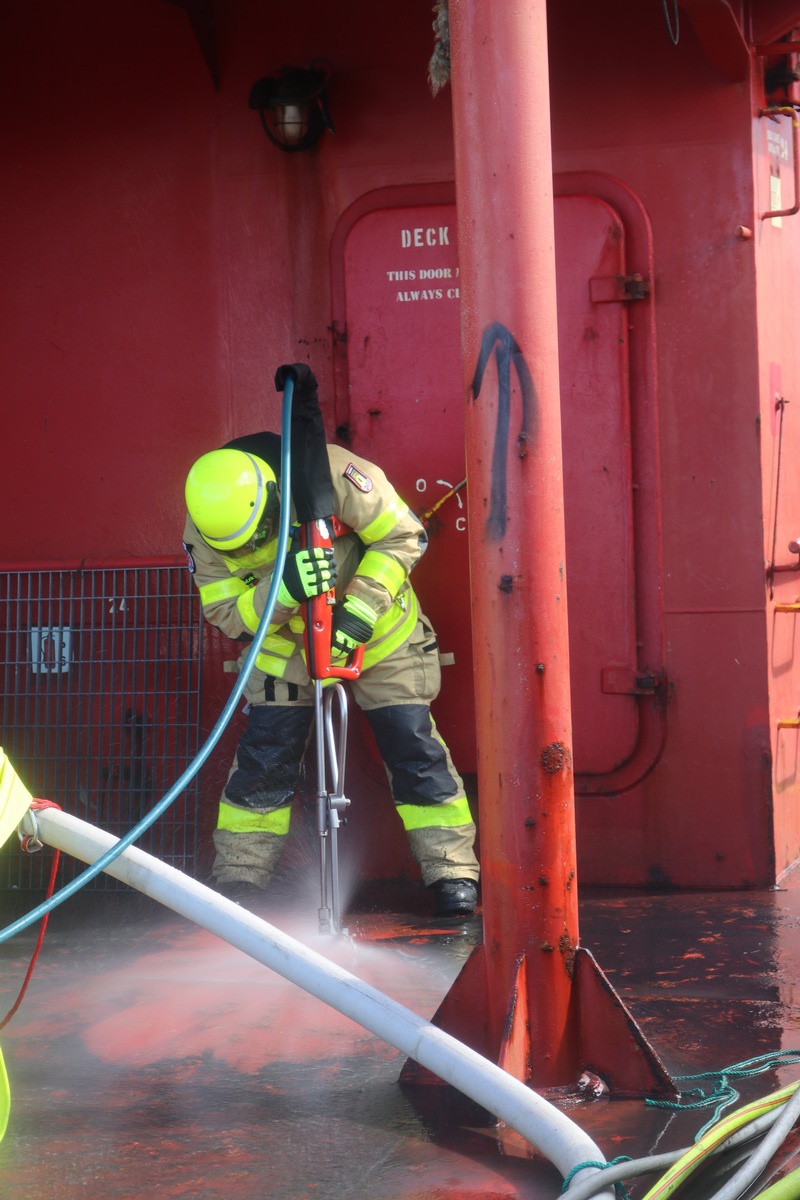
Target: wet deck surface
149 1059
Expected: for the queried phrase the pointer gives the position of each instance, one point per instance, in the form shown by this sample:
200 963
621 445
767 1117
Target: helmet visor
267 527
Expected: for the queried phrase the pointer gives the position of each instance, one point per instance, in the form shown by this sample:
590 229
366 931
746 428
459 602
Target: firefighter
233 497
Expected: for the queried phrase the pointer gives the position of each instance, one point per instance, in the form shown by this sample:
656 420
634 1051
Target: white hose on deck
557 1137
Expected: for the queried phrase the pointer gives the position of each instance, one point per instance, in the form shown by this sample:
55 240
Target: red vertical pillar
501 113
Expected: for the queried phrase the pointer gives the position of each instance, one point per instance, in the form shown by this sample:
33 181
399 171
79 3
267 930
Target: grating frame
100 691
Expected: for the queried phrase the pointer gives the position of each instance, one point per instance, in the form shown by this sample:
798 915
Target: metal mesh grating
100 706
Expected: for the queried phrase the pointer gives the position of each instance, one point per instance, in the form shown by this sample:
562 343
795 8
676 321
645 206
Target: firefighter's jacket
373 563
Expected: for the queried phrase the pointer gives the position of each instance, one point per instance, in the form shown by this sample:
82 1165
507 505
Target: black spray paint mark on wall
507 353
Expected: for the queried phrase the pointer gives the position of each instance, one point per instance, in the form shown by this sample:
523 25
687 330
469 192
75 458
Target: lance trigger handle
319 614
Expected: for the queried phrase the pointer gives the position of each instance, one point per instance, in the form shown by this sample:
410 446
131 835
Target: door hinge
625 681
611 289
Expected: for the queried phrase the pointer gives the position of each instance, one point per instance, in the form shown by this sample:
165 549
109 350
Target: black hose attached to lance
312 495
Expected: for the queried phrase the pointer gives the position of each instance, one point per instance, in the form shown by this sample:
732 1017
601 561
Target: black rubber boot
454 897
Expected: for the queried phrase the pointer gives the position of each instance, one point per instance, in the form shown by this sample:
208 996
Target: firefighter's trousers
428 792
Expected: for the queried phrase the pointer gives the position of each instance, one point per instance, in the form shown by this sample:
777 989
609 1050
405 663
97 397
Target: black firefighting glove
307 573
305 381
353 623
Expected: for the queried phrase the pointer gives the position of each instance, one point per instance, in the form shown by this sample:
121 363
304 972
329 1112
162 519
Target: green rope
619 1188
723 1094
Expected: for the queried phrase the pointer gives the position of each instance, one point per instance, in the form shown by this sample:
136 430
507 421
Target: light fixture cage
293 106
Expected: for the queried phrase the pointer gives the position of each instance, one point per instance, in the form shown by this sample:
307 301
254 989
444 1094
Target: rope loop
723 1093
673 22
31 843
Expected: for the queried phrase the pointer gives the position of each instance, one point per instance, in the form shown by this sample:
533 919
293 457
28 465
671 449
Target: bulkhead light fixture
293 106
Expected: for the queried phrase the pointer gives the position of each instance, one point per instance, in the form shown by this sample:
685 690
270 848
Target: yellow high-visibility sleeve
15 799
383 569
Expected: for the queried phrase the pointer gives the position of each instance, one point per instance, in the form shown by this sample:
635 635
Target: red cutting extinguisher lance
312 493
319 612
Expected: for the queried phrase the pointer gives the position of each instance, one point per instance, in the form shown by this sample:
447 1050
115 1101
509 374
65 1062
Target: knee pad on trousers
267 764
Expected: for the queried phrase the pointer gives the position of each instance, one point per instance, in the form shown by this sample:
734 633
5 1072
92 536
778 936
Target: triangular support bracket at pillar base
607 1042
611 1043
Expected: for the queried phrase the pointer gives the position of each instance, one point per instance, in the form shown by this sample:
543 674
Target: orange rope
50 889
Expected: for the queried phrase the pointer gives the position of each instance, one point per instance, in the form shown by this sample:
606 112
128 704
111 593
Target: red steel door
399 399
403 406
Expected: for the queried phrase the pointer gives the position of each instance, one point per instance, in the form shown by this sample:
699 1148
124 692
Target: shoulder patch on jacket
189 558
358 478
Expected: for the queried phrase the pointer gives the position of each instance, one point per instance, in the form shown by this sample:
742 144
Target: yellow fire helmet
232 497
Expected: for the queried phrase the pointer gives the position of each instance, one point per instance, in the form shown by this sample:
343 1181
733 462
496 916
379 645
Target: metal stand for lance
331 750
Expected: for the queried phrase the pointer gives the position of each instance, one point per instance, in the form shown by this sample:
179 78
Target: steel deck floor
151 1060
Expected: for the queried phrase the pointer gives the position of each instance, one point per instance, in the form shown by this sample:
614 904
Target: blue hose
188 775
